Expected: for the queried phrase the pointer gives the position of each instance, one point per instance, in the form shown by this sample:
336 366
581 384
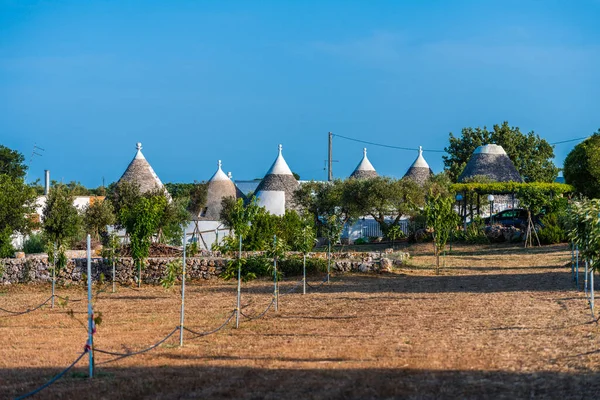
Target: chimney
46 182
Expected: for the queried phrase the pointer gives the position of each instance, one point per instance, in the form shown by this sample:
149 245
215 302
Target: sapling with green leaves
441 218
305 241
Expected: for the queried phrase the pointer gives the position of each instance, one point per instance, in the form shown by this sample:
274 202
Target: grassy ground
498 322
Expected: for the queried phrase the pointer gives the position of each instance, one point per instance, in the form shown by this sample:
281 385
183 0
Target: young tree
17 204
582 167
533 200
61 221
123 196
97 216
141 221
531 154
442 219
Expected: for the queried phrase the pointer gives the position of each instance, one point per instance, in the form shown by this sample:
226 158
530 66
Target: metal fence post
53 274
592 290
239 286
304 273
90 308
328 260
585 281
113 269
275 291
182 294
577 266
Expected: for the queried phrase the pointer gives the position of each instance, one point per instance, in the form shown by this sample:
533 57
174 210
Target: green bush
292 266
252 268
475 233
34 244
361 241
552 232
260 266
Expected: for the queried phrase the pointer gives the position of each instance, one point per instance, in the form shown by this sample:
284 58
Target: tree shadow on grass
552 281
215 381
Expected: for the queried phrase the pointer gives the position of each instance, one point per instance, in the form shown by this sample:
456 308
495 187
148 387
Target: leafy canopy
582 167
61 220
12 163
17 205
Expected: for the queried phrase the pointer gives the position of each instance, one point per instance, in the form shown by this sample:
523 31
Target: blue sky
198 81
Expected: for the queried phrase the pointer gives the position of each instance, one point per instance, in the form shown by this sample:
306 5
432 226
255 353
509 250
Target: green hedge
510 187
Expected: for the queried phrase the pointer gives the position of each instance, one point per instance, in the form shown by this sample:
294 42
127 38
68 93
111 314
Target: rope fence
90 349
120 356
262 314
55 378
200 334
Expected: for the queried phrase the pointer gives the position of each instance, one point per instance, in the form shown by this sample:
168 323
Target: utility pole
329 158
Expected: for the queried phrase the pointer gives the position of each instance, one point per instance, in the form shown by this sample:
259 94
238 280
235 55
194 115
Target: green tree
17 205
123 196
197 198
442 219
533 199
141 220
328 206
61 221
238 215
531 154
97 216
582 167
12 163
385 199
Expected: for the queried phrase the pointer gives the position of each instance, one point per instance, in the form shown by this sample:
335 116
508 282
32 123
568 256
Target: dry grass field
498 322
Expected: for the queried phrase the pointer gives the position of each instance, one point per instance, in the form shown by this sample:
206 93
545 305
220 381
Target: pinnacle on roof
419 171
279 167
219 175
140 172
364 169
276 190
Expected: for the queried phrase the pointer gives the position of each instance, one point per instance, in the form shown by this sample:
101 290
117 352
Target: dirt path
500 322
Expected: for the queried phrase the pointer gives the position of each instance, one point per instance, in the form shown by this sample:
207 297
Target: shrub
251 268
552 231
174 269
34 244
361 241
293 266
475 233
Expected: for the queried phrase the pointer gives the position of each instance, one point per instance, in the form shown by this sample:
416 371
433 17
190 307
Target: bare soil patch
499 322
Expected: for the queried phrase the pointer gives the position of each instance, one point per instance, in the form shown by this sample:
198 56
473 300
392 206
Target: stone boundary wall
35 269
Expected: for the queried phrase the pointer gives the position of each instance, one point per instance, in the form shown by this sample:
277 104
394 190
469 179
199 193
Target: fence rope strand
262 314
134 353
54 379
200 334
15 313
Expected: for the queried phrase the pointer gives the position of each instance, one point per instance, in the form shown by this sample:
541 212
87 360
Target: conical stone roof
364 169
419 171
219 186
491 161
140 172
275 192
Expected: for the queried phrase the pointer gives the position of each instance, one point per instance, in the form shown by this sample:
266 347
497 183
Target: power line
386 145
570 140
432 151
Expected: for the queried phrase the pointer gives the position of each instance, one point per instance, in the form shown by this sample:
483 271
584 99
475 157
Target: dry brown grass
499 322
